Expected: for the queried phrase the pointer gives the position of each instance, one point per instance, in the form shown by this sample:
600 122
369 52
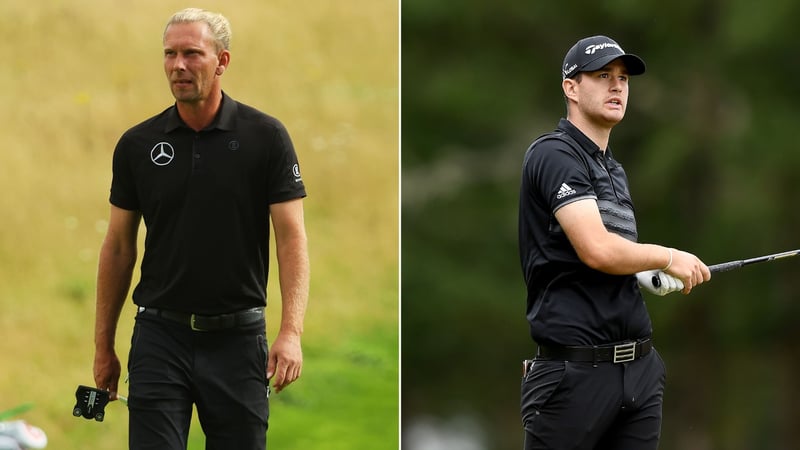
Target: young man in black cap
596 381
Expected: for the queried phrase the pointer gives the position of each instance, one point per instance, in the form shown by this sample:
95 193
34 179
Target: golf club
726 266
730 265
91 402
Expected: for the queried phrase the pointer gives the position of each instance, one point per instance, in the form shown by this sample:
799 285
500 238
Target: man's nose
179 63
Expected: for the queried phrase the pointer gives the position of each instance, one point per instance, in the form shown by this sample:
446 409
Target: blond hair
217 23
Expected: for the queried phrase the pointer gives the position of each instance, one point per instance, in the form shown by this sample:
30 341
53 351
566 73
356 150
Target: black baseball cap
593 53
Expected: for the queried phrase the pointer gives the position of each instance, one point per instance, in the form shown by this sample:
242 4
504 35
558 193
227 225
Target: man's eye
603 75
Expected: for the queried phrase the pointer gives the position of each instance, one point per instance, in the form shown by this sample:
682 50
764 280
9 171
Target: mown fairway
76 74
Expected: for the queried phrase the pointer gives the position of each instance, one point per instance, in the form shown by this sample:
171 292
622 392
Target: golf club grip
724 267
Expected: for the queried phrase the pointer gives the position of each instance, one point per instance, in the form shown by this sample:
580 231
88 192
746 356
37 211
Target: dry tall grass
76 74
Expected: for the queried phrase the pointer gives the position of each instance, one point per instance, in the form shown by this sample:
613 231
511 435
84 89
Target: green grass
347 399
356 382
77 75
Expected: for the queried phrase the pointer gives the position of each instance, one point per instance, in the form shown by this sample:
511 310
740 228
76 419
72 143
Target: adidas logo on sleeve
565 191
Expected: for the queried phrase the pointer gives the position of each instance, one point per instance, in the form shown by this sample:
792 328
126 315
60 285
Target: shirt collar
586 144
224 120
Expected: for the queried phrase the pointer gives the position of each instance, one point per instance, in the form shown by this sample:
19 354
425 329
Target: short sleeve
285 181
557 174
123 187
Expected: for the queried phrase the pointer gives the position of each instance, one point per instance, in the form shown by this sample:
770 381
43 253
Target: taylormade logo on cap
593 48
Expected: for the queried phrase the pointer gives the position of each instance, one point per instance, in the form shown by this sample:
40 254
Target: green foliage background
76 74
709 144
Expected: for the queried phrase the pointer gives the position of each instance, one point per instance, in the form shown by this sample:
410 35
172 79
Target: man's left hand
285 360
658 282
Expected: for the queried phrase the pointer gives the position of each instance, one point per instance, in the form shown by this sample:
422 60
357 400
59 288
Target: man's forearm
113 282
294 270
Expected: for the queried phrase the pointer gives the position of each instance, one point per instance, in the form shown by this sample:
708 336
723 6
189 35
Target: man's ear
224 59
570 87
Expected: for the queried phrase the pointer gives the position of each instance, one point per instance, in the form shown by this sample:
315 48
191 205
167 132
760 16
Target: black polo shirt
569 303
205 198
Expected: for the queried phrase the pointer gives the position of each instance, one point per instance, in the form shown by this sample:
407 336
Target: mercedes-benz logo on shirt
162 154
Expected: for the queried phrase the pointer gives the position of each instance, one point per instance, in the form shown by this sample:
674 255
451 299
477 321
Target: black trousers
575 406
222 373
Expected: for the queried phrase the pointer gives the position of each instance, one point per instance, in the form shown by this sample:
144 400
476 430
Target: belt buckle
624 352
192 319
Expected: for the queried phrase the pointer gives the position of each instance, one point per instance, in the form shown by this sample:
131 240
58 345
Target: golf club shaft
730 265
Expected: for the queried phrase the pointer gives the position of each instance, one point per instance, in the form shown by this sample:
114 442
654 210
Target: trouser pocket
538 386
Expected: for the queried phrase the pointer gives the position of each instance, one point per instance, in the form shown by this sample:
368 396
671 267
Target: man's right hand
689 269
107 370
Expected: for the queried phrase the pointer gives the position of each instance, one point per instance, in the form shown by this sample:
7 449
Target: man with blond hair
206 175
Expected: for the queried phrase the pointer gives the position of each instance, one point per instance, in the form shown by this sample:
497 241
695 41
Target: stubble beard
186 95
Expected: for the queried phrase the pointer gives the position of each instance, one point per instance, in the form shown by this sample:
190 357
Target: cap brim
633 63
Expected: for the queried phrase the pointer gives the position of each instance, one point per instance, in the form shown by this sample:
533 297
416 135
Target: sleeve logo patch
565 191
296 173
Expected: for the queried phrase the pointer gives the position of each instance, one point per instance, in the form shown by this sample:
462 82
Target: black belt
616 353
209 323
